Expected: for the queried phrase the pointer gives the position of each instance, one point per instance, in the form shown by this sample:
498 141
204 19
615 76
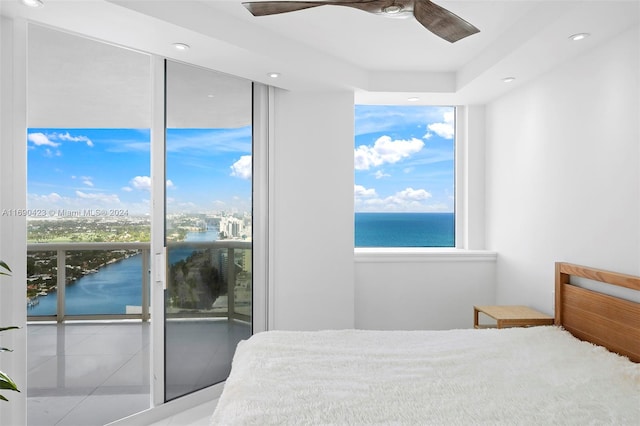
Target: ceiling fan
438 20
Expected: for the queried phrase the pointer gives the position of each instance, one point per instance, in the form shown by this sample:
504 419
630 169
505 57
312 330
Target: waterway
110 290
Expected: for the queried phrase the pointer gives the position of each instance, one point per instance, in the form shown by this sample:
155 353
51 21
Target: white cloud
361 191
407 200
40 139
444 129
142 183
68 137
52 198
87 180
99 197
80 201
48 153
411 194
242 167
380 174
385 150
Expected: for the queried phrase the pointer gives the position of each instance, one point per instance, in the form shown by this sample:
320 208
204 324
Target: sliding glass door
147 166
208 225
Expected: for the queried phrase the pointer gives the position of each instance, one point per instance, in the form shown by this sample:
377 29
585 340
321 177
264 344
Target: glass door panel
88 228
208 226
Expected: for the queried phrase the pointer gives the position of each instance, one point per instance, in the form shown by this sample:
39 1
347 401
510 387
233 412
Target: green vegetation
194 283
89 230
6 383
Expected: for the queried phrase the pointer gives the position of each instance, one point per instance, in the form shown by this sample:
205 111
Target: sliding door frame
262 127
158 250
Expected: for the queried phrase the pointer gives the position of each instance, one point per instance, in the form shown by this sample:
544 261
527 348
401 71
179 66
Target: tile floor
93 373
199 352
85 374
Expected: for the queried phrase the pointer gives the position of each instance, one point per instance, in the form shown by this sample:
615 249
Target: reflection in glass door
208 226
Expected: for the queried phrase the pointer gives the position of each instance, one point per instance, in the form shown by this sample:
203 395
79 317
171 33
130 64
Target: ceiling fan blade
262 8
441 22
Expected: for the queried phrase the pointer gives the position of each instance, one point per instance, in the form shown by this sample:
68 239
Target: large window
404 176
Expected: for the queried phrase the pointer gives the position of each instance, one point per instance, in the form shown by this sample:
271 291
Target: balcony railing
229 275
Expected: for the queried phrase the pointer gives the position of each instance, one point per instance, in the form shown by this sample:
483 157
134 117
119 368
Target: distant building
231 227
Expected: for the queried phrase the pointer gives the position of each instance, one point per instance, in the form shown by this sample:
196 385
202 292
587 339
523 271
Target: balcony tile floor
93 373
84 374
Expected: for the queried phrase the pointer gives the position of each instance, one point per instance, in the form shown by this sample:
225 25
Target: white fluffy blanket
518 376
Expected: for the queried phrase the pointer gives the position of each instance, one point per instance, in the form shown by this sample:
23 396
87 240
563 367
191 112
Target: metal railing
61 250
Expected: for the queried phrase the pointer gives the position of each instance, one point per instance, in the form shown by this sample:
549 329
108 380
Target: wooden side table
511 316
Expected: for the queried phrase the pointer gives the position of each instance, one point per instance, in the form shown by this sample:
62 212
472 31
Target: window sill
421 254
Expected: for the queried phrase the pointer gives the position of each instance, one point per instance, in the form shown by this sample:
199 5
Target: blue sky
404 162
404 158
207 170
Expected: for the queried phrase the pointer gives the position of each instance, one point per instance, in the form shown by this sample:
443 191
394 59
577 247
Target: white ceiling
329 48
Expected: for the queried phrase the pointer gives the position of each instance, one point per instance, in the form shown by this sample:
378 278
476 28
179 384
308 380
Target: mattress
516 376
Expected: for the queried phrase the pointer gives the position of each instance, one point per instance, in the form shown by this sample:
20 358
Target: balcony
92 368
222 256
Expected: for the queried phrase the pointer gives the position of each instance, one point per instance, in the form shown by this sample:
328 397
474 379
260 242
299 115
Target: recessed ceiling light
181 46
508 79
274 74
211 95
579 36
413 99
33 3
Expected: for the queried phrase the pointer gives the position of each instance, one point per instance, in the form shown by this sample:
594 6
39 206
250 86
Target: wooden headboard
596 317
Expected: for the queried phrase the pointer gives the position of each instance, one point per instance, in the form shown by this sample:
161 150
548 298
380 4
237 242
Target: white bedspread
518 376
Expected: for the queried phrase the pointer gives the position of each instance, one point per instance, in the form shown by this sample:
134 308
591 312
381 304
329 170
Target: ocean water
404 230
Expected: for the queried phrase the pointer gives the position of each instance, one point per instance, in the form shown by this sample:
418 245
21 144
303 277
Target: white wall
563 178
312 210
422 291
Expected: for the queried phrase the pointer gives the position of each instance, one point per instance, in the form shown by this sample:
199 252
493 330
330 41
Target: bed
582 370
